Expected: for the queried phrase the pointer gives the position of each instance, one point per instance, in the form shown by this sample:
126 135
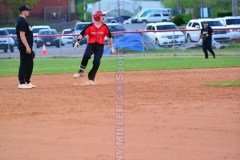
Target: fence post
143 43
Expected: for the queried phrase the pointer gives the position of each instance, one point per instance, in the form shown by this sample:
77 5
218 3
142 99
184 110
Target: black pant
97 50
207 46
25 67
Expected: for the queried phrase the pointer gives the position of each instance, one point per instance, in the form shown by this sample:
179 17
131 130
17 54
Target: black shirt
22 25
207 31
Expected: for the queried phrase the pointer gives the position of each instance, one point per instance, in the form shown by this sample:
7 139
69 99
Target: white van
232 22
166 12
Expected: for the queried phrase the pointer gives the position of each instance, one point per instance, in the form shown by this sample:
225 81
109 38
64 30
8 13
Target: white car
194 26
154 17
79 26
233 23
66 37
36 29
12 33
144 13
166 35
5 41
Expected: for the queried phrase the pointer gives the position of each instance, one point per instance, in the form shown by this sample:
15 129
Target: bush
178 20
187 17
223 14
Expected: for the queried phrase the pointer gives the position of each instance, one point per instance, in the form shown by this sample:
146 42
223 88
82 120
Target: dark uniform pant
97 50
207 46
25 67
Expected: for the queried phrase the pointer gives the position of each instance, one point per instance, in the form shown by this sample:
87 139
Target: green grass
70 65
235 83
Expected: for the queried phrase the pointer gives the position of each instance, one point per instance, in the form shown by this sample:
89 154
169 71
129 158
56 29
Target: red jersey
96 35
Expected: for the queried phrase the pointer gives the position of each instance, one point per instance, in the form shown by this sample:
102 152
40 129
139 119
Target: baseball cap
24 8
205 22
99 13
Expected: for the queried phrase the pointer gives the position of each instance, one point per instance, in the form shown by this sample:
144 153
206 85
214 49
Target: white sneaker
77 75
24 86
33 86
88 83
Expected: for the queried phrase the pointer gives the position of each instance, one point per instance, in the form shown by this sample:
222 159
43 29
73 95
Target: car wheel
157 42
58 45
144 21
164 20
189 38
5 50
12 48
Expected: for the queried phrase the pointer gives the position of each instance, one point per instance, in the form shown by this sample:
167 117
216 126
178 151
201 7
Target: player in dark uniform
206 35
25 44
96 32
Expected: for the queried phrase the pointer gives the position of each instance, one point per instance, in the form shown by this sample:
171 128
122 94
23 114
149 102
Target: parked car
5 41
165 38
66 39
12 32
114 27
166 12
232 22
128 21
77 30
48 37
221 34
154 17
36 29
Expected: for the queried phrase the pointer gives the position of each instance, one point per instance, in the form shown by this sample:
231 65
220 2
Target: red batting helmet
97 15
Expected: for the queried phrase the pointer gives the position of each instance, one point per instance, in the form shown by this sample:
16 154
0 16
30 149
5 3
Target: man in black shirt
25 44
206 35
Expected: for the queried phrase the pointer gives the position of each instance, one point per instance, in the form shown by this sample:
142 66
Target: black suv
48 37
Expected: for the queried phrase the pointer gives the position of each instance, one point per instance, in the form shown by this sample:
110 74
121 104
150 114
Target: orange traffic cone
44 51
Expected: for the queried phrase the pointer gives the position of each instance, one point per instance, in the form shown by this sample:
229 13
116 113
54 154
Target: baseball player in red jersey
96 32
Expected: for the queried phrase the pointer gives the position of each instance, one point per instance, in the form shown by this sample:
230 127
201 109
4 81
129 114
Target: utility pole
99 5
202 8
84 10
179 7
235 7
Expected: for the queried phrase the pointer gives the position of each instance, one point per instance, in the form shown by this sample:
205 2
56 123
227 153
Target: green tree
215 6
11 7
80 9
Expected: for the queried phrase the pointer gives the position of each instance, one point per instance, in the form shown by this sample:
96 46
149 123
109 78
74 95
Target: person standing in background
206 35
25 44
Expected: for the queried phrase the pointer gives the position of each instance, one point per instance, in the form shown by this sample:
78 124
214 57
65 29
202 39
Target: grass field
9 67
223 84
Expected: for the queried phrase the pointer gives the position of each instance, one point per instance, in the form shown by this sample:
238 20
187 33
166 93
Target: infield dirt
168 115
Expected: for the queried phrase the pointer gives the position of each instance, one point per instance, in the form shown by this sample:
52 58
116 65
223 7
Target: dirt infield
168 115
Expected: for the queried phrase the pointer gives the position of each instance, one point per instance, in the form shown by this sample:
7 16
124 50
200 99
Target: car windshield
36 30
3 33
67 32
115 28
213 23
233 21
166 27
145 13
11 31
81 26
48 32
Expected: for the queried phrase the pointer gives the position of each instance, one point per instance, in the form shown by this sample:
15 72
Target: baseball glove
33 54
204 36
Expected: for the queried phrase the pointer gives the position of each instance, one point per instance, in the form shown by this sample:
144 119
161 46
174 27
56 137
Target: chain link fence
130 43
